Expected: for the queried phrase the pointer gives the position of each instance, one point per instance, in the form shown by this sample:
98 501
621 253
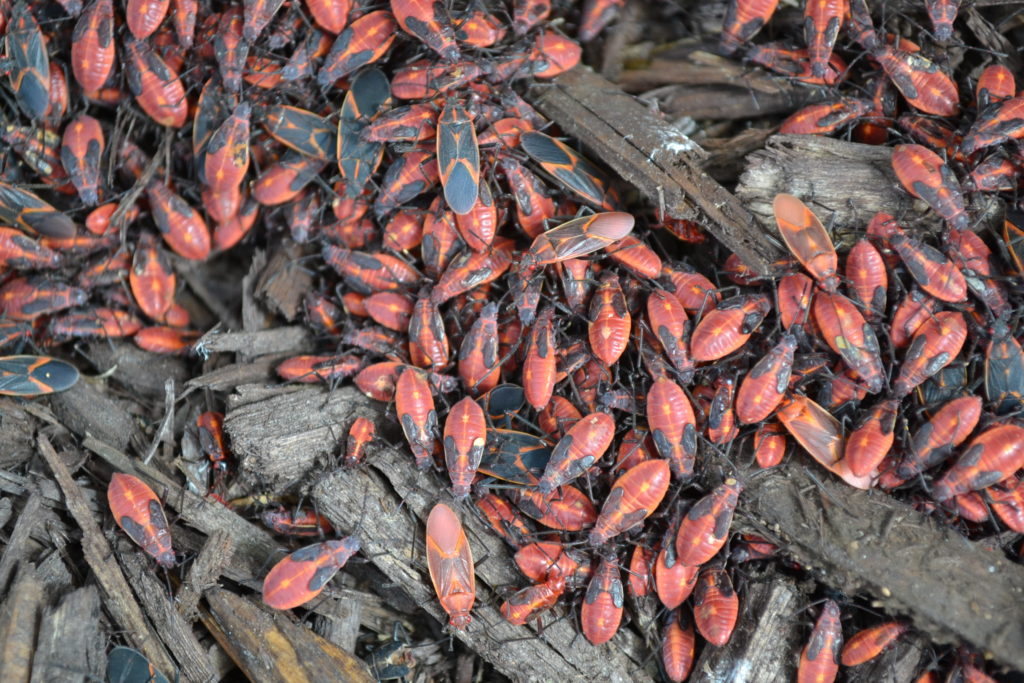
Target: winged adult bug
1004 370
925 175
934 346
359 159
601 612
577 237
414 405
458 157
18 251
450 561
567 509
743 19
634 496
819 660
300 130
465 434
999 122
157 88
92 45
35 375
302 575
11 331
924 85
29 72
819 433
125 665
870 642
363 42
807 240
678 646
715 605
23 209
764 386
583 445
705 527
138 511
571 170
849 335
531 601
870 441
728 327
990 457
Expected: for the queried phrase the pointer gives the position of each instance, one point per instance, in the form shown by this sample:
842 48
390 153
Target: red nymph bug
868 643
145 16
18 251
567 509
764 386
678 643
503 518
807 240
819 661
715 604
935 440
670 324
819 434
924 85
728 327
152 280
531 601
157 88
210 426
583 445
769 444
428 21
610 321
865 269
822 19
705 527
92 45
743 19
634 496
826 117
926 176
541 357
302 575
602 607
995 84
360 434
870 441
465 432
553 54
673 426
35 375
428 343
80 152
934 346
164 339
414 405
990 457
138 512
848 334
227 153
300 523
540 560
181 226
450 561
673 580
999 122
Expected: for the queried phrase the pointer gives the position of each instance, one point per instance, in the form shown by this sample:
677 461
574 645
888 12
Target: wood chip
215 555
72 645
19 623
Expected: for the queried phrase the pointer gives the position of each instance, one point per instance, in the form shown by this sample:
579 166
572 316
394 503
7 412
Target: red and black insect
465 434
819 661
358 158
138 512
29 71
743 19
583 444
673 426
302 575
35 375
603 604
414 405
362 42
868 643
570 169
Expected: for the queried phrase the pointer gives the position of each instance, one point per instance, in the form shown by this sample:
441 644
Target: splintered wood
660 161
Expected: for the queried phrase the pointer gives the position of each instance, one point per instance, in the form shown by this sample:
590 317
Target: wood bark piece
285 281
141 371
282 436
766 636
269 647
99 556
174 631
228 377
294 339
844 183
661 162
19 625
17 434
84 409
865 542
14 549
215 555
72 646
